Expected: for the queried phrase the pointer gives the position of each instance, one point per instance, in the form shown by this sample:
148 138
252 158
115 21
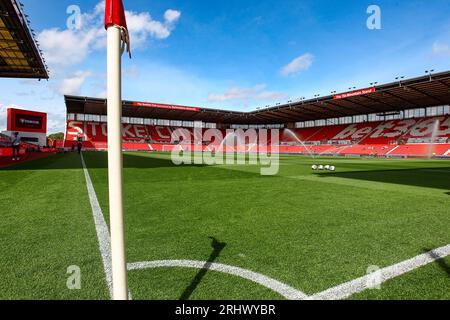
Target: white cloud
141 26
172 16
56 122
66 47
441 49
72 84
100 8
2 117
235 94
101 95
244 94
26 93
271 96
72 46
301 63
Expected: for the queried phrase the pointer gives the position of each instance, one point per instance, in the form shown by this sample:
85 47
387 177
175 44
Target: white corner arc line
350 288
100 227
275 285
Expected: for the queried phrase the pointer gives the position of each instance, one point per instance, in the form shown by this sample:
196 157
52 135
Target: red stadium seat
409 137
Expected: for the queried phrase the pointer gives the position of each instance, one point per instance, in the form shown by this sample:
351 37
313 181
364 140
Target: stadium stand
5 141
408 118
408 137
20 56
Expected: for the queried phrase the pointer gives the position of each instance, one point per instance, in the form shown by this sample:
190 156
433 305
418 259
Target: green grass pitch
309 230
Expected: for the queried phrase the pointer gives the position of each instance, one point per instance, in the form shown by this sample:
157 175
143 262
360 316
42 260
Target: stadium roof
20 56
421 92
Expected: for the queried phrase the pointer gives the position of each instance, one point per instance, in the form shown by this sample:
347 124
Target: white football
314 167
332 168
327 167
321 167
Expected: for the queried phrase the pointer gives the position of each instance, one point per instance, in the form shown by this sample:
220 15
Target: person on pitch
80 143
16 147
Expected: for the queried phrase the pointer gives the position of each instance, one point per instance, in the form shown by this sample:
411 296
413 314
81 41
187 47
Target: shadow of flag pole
117 34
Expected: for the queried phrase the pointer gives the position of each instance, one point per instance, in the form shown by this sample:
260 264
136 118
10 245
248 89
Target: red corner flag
115 16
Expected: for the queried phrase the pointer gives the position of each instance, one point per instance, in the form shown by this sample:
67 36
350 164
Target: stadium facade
408 118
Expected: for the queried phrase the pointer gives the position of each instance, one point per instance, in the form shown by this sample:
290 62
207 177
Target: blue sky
232 54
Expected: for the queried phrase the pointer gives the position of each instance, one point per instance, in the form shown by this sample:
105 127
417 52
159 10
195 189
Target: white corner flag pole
115 164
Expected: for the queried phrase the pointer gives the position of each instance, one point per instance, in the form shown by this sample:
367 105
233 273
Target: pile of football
323 168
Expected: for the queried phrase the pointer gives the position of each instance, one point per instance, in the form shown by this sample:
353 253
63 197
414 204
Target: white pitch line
342 291
350 288
277 286
104 240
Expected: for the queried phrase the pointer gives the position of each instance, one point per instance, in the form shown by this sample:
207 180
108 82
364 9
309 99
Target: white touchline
350 288
101 228
277 286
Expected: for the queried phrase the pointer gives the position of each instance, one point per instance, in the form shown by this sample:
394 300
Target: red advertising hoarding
26 121
354 93
164 106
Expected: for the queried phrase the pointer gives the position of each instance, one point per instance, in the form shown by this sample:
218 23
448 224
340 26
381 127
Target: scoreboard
26 121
